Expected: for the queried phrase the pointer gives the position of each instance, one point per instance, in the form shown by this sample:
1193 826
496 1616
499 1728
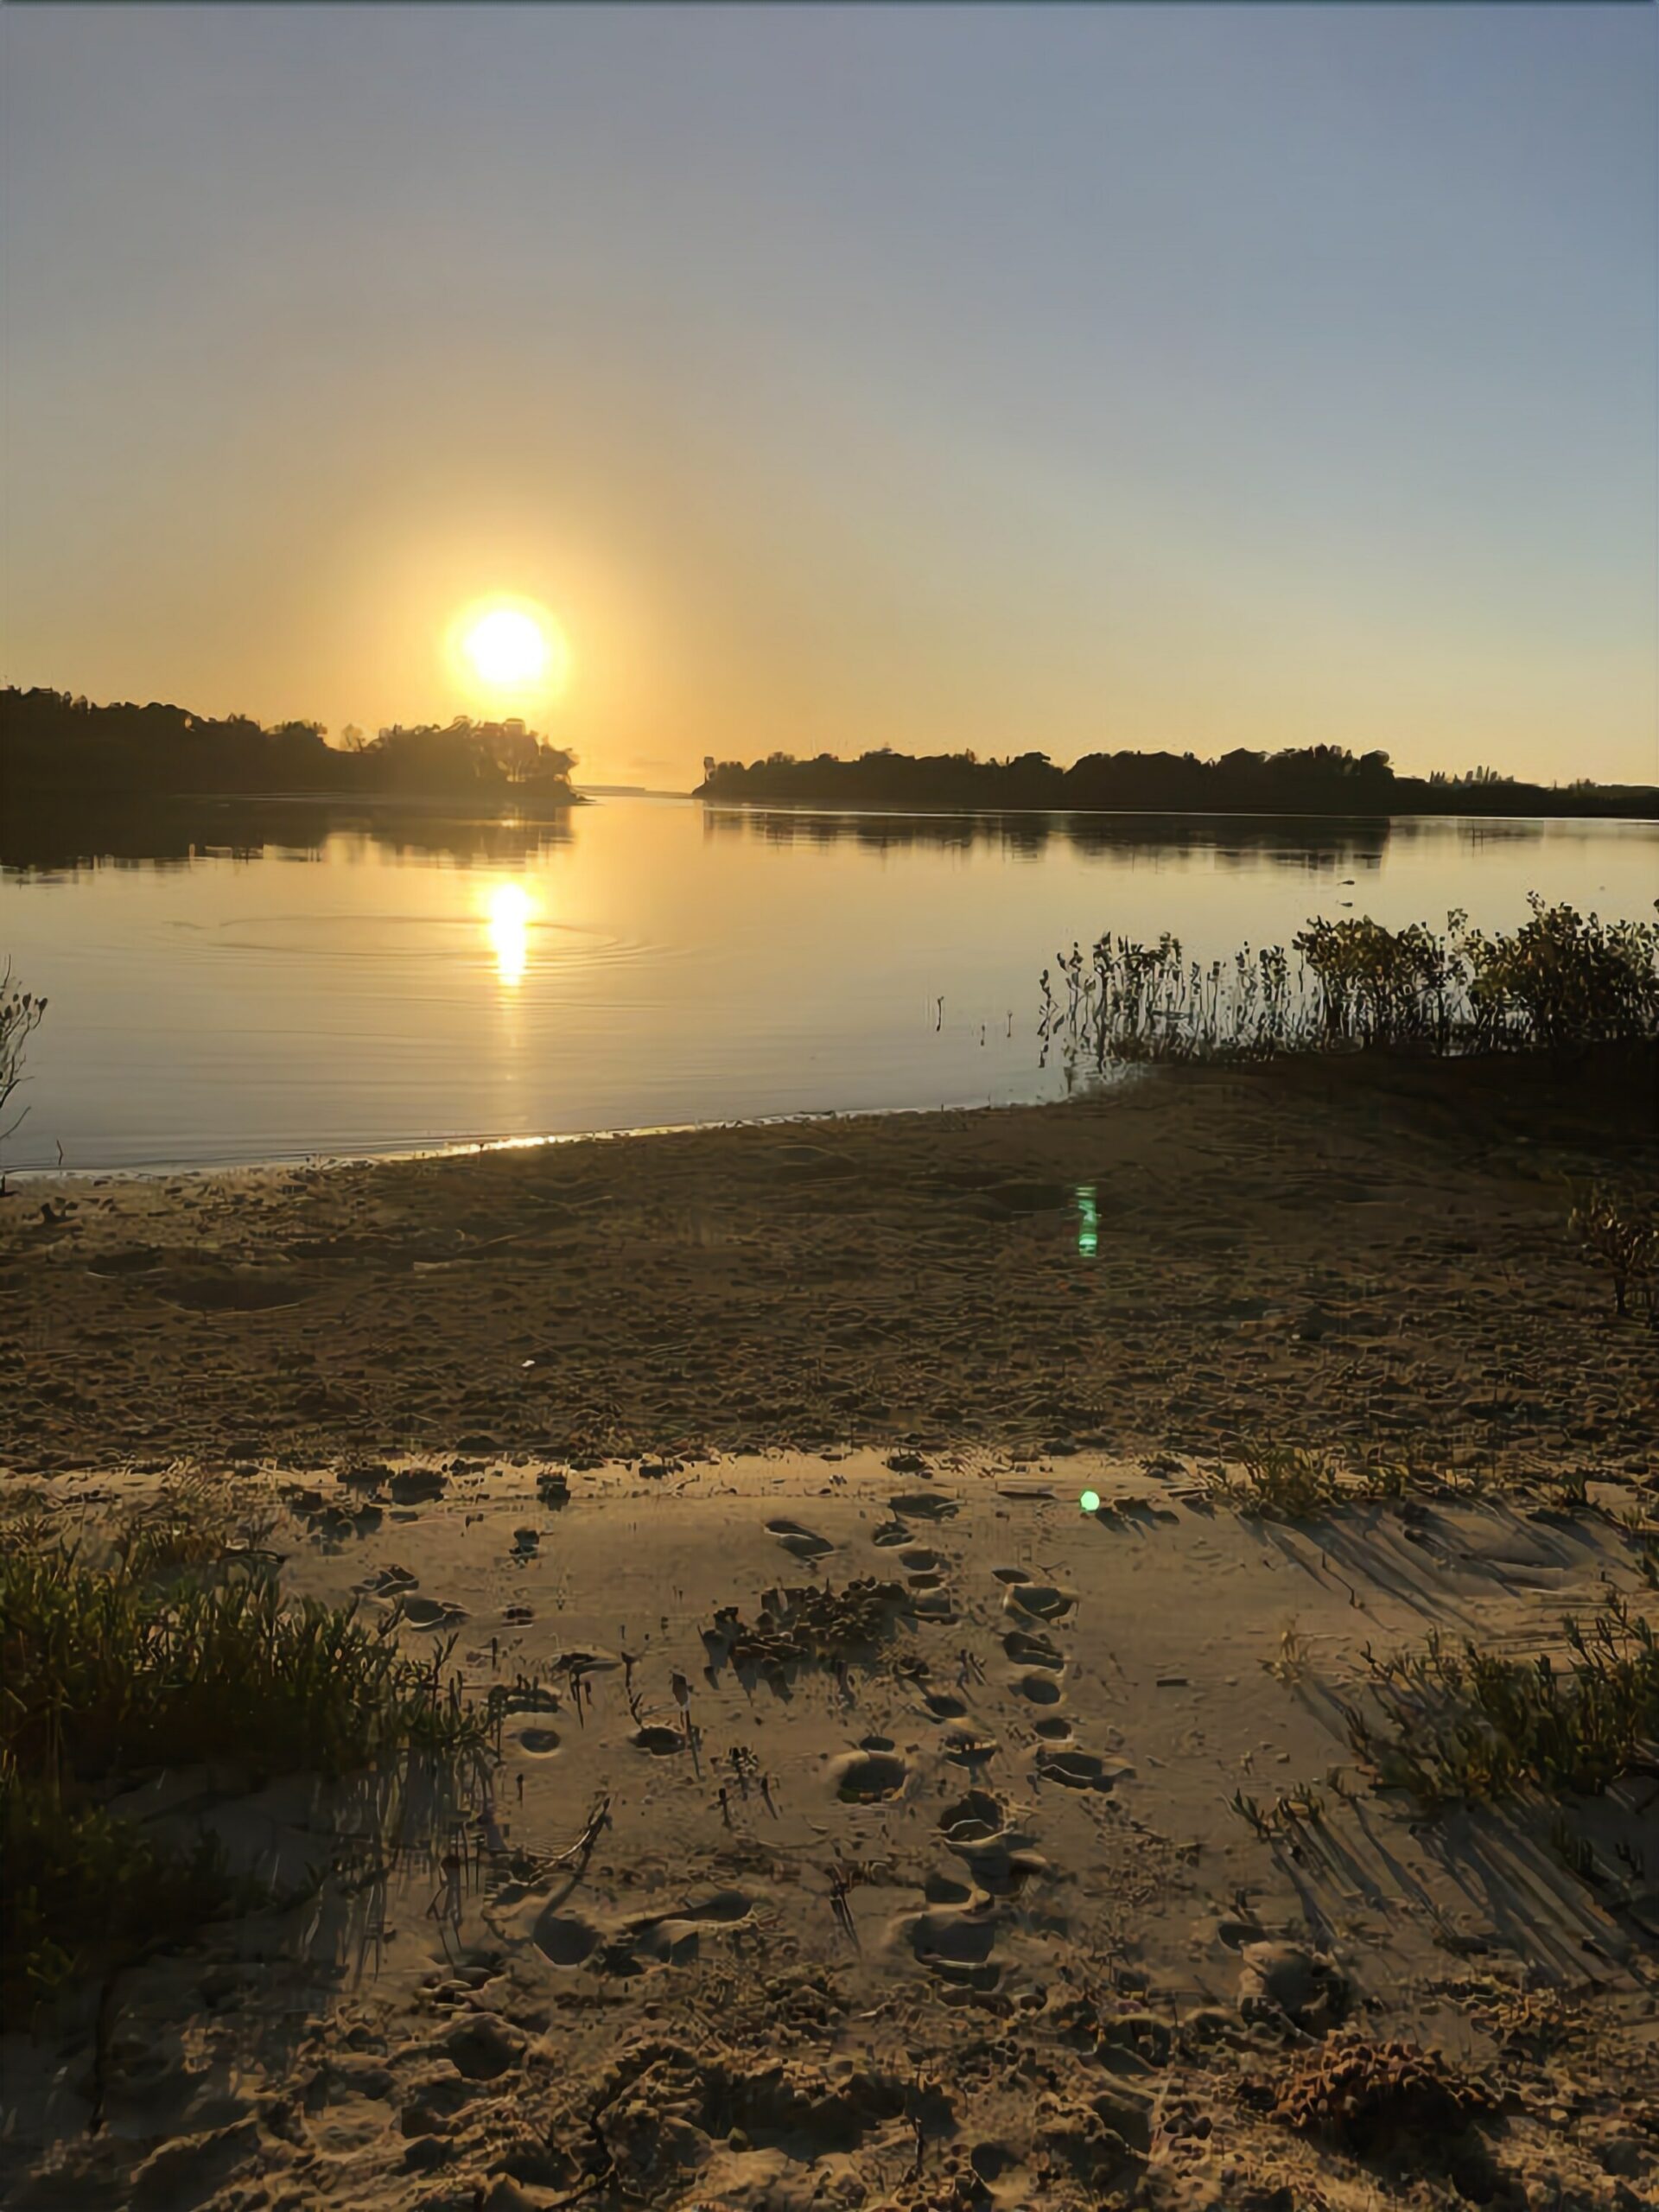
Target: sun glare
508 914
510 649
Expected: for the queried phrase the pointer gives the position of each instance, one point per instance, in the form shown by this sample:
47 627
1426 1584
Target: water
255 984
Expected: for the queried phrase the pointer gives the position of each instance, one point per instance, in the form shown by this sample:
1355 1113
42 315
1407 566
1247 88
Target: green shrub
106 1674
1473 1725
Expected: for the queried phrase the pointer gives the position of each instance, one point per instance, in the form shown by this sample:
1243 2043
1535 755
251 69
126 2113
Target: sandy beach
1325 1253
874 1825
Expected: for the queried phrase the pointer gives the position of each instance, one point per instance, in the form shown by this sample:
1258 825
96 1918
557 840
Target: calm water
269 984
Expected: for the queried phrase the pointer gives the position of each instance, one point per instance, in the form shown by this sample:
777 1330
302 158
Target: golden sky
1014 379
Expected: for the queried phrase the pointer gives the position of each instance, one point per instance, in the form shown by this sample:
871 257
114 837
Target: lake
239 984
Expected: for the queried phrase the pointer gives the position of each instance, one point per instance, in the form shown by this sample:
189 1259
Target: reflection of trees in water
1234 840
175 834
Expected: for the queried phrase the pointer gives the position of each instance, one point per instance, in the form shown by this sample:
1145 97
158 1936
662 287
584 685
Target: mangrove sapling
1618 1232
20 1017
1562 981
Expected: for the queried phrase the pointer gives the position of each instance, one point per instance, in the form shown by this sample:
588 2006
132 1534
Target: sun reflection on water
508 915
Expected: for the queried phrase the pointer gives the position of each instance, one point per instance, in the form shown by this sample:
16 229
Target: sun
510 648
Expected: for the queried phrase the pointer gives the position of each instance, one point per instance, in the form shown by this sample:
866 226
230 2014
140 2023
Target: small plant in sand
191 1521
1282 1482
1473 1725
1289 1663
20 1017
111 1672
1618 1232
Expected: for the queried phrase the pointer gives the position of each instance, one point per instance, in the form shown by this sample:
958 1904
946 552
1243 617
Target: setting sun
511 648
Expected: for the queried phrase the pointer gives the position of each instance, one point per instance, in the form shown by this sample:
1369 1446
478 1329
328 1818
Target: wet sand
933 1890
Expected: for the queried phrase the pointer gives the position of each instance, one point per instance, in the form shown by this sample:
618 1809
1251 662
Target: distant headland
57 750
1312 780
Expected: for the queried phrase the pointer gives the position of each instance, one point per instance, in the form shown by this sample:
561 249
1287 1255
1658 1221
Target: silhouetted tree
53 745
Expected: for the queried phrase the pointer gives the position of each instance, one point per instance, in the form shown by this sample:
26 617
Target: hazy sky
1013 378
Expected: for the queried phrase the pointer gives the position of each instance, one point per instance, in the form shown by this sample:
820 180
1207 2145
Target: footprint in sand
889 1534
1082 1770
1037 1689
801 1543
1054 1730
967 1747
1032 1650
565 1938
1037 1601
942 1705
1010 1574
431 1613
136 1260
674 1939
661 1743
955 1942
974 1819
922 1505
874 1772
1000 1859
540 1743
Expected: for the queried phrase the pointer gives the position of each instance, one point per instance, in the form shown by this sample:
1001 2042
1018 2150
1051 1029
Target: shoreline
476 1148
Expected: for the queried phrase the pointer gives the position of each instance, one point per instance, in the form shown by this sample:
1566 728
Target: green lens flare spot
1089 1501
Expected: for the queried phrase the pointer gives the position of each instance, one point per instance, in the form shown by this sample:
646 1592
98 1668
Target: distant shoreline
1325 782
895 811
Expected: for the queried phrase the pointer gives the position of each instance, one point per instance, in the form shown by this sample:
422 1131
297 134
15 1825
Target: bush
1619 1231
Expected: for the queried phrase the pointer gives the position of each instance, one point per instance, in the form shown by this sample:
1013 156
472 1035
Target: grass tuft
1470 1725
109 1672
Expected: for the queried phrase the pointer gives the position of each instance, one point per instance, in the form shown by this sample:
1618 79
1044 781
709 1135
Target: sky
1055 379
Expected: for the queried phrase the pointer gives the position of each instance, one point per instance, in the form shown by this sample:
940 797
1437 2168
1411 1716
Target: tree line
54 747
1307 780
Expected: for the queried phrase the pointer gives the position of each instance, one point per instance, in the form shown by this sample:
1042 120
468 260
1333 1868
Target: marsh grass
1561 982
1472 1725
112 1671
